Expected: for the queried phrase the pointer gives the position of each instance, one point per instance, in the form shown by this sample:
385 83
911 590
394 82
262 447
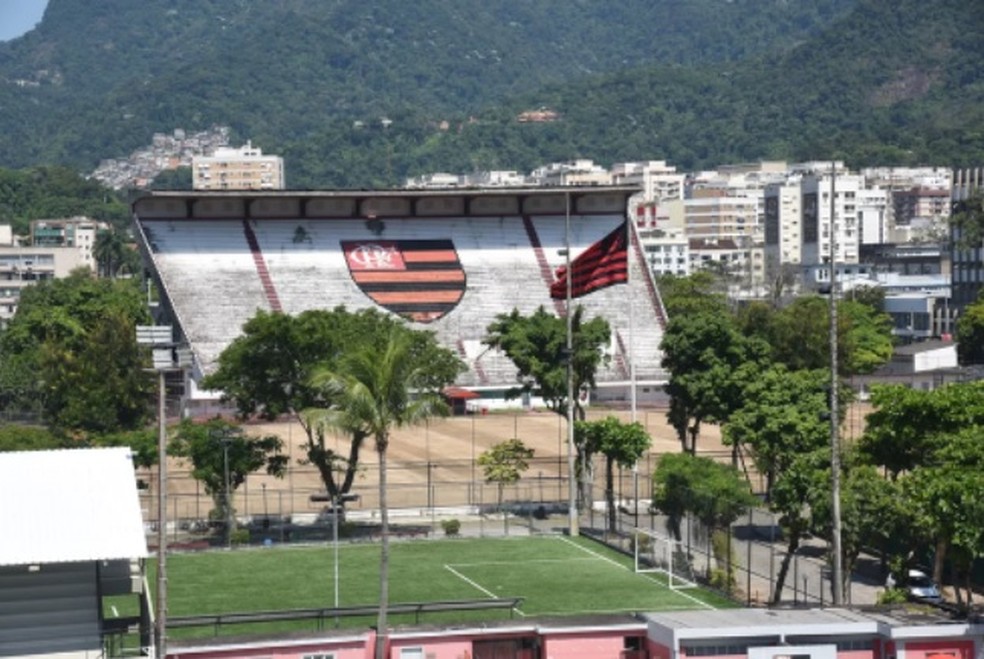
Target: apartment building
967 260
77 232
573 172
819 226
22 266
659 182
245 168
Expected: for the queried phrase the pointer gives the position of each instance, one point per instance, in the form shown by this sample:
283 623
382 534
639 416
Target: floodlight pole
165 358
160 631
838 577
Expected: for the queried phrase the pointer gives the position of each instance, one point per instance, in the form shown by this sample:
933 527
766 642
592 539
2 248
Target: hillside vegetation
697 83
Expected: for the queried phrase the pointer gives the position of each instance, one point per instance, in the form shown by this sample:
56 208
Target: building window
320 655
411 653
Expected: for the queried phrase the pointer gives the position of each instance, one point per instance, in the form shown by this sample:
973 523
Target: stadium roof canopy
69 506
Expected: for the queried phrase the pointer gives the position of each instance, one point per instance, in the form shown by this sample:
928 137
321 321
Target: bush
893 596
240 537
452 527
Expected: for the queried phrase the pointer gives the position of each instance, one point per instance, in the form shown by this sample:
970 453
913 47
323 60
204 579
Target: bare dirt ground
434 464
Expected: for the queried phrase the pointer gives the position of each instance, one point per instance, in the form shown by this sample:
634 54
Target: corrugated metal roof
69 505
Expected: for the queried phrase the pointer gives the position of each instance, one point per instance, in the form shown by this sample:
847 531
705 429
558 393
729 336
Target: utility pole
838 577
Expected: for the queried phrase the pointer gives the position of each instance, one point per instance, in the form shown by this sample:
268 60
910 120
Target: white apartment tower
783 225
816 217
245 168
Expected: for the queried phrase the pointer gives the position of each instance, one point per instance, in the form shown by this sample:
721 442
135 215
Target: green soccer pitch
555 575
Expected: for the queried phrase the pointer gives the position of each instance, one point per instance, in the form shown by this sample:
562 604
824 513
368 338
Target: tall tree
621 443
537 345
109 251
709 361
267 372
75 336
784 424
218 451
378 389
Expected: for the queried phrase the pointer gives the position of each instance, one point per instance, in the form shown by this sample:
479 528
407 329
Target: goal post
657 553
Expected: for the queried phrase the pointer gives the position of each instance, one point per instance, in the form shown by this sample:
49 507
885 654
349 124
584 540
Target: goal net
655 552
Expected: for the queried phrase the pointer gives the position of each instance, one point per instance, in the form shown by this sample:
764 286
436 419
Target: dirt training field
434 464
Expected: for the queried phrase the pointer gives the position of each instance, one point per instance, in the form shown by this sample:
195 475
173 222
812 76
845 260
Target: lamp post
224 437
166 357
336 502
228 509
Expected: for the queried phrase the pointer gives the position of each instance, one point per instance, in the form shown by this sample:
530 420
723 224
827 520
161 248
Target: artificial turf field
555 575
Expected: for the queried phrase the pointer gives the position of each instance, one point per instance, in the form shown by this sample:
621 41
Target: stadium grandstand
447 261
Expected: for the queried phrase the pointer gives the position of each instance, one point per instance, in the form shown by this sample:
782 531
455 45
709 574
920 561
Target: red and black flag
605 263
420 280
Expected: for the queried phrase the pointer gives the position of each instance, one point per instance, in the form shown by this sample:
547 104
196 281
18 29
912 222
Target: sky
19 16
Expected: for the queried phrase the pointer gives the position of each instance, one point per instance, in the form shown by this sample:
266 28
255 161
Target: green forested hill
697 82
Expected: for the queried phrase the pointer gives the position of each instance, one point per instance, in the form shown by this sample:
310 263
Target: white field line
617 564
527 562
475 585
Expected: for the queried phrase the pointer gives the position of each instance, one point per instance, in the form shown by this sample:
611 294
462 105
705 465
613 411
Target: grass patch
555 575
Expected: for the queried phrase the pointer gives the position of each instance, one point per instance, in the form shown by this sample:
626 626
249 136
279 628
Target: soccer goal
655 552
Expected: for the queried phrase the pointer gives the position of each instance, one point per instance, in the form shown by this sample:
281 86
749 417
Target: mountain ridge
633 80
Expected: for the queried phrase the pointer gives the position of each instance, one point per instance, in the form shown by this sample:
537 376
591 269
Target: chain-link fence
430 496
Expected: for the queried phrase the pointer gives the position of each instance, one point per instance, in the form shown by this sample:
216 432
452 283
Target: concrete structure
499 250
74 537
967 258
817 222
659 182
571 173
77 232
718 634
245 168
25 266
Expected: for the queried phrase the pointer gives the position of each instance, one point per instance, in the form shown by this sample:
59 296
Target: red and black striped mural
420 280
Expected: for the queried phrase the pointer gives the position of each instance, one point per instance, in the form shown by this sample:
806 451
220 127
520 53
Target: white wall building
659 182
816 217
245 168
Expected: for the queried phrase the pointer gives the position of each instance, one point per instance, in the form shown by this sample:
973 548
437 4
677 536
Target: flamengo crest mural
421 280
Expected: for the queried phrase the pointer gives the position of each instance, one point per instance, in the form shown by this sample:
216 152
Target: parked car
919 586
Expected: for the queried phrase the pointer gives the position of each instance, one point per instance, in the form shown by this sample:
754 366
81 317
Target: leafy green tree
967 221
709 361
505 463
377 389
868 338
800 335
715 494
77 337
970 333
16 437
536 344
872 510
621 443
109 251
267 372
696 293
905 428
784 425
215 446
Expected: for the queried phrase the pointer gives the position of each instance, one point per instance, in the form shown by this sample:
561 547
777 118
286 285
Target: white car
920 587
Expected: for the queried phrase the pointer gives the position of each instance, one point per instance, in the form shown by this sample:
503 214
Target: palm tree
376 390
109 250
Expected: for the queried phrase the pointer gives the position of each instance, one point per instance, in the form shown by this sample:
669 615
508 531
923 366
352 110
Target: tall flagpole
571 468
